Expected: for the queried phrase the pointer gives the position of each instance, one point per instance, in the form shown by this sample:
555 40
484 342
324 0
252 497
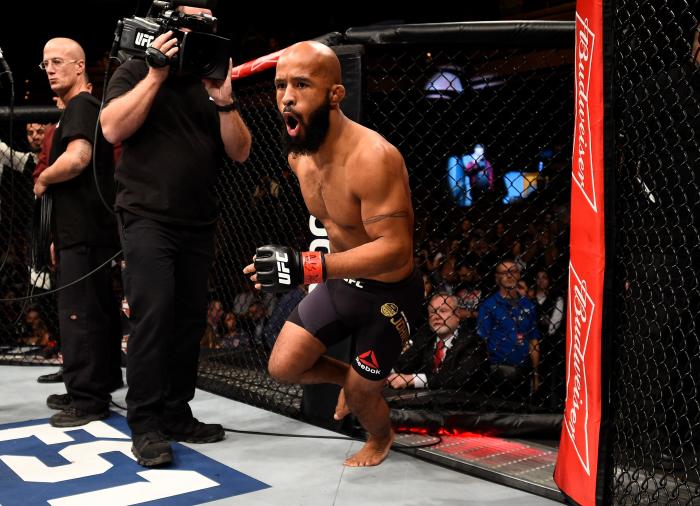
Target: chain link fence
657 119
484 123
260 204
483 119
28 327
475 207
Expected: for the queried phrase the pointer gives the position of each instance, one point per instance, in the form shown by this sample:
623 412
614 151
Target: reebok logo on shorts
367 361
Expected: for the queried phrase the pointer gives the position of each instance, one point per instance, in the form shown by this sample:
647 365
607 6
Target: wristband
233 106
314 267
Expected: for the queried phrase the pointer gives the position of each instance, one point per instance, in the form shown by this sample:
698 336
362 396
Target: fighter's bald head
319 60
68 48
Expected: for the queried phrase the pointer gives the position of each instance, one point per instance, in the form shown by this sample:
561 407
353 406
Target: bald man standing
85 236
356 183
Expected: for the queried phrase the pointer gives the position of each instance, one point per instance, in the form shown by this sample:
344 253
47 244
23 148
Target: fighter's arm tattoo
380 217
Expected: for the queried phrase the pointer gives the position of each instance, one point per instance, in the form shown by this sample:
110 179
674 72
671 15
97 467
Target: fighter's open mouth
292 122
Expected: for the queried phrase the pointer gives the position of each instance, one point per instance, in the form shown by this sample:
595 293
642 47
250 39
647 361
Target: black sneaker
151 449
73 417
194 431
54 377
58 401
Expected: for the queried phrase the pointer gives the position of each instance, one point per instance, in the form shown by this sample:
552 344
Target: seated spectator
243 300
253 323
524 290
445 279
548 247
550 311
433 255
36 332
466 230
501 239
214 314
470 282
469 278
550 305
516 251
419 260
469 294
279 315
427 286
233 337
507 322
209 340
212 334
480 255
449 357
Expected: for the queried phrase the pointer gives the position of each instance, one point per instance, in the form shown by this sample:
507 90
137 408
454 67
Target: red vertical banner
576 472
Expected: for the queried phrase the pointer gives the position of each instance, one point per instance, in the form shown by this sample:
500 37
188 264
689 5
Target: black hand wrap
156 58
281 268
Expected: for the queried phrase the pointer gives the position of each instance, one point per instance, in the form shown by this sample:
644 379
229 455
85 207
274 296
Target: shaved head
309 92
65 67
319 59
67 47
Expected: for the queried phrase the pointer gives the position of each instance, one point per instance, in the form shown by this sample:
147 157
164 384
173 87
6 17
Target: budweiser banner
577 464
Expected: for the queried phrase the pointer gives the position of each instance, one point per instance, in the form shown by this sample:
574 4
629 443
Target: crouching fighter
356 183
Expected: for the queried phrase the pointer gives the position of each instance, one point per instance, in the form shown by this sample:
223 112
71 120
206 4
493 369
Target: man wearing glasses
508 323
84 235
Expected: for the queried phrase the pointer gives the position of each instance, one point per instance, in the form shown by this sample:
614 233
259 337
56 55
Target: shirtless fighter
356 183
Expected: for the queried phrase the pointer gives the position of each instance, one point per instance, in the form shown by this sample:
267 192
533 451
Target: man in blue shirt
508 324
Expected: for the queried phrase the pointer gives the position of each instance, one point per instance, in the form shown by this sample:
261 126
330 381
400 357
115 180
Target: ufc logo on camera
93 464
143 39
282 269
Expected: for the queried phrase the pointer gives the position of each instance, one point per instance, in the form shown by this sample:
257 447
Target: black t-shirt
169 166
79 217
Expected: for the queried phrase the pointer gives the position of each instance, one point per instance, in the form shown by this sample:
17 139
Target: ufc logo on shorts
282 269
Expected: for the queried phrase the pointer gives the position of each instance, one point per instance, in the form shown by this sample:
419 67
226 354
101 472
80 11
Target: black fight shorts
380 316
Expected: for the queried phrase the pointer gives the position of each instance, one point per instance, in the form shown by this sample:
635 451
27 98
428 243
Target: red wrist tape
314 267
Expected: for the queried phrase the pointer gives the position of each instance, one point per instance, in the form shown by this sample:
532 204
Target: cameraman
175 130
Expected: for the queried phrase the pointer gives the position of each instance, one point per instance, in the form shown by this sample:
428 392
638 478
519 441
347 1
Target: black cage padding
484 33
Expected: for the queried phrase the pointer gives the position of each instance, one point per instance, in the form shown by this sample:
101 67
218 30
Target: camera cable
76 281
12 161
41 233
304 436
98 130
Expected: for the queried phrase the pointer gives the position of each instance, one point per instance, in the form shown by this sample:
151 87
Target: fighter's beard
314 131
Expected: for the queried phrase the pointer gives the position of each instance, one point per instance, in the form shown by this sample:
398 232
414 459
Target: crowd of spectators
476 329
502 288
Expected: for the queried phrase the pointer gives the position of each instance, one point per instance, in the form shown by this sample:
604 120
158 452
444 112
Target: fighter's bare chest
329 196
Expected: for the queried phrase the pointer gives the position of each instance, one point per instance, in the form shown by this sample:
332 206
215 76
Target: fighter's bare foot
372 453
341 409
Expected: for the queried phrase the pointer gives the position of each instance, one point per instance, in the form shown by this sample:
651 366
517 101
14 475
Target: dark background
255 28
